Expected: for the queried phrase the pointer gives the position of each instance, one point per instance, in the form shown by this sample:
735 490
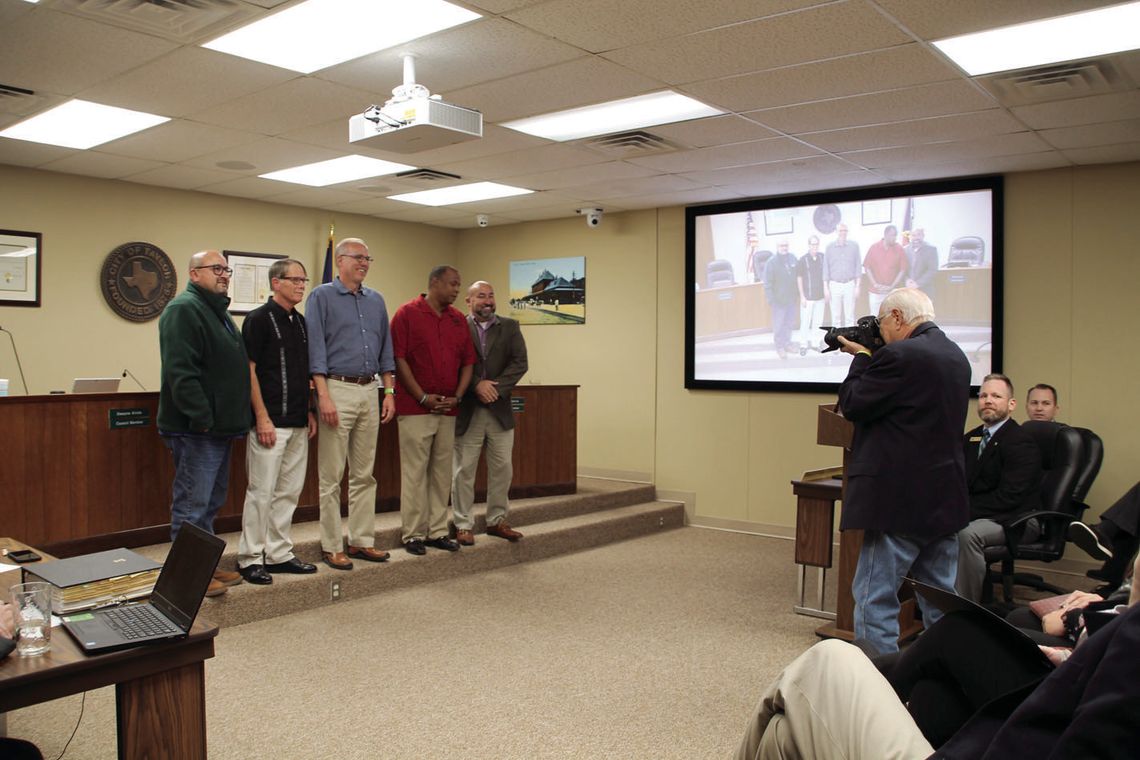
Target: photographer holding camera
906 476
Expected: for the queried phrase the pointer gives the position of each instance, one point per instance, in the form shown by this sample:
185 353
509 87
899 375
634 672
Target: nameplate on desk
129 418
724 296
518 404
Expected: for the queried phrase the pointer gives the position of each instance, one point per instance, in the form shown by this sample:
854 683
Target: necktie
982 445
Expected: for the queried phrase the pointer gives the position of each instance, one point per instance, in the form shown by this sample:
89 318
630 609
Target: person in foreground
832 702
906 477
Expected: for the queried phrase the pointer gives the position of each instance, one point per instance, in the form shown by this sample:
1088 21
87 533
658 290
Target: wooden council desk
160 689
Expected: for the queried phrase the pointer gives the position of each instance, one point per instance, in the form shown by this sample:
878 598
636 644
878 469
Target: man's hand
850 346
312 426
327 409
487 391
7 620
1056 655
437 404
387 409
266 433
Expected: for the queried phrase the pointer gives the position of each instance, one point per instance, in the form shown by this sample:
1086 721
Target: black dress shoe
416 547
443 542
292 566
256 575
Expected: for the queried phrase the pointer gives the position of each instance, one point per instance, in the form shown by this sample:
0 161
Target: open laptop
172 607
95 385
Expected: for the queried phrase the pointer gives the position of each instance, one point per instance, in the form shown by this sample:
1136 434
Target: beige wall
1070 313
82 219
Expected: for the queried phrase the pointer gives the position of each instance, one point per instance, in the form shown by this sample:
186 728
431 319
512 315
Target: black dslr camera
865 333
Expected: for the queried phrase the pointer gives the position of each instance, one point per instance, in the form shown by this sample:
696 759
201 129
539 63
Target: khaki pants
484 428
276 477
358 407
426 443
831 703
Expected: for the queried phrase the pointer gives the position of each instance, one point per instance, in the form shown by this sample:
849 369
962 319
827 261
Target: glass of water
31 605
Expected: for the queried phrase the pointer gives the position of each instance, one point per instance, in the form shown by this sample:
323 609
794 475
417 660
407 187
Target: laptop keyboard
139 622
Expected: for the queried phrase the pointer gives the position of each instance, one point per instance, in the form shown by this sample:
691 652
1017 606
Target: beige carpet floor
651 648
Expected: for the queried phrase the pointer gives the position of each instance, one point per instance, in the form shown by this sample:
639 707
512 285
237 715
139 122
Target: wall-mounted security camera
482 220
593 216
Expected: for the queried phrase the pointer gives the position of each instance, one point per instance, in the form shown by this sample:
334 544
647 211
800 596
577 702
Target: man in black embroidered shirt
277 451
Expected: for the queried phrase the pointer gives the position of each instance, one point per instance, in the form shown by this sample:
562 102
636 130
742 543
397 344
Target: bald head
210 272
481 301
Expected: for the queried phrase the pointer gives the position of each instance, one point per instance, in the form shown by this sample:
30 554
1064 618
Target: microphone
18 365
128 373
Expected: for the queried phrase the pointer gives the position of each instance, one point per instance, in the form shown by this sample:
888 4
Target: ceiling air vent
630 144
1061 81
427 175
18 101
179 20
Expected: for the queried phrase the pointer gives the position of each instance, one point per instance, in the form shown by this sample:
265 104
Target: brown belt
353 380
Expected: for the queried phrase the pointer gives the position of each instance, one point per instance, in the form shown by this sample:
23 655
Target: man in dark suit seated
1003 473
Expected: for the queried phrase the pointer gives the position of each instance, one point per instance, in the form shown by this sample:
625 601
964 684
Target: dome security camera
482 220
593 216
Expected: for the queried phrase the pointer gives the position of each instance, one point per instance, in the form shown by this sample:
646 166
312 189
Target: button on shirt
810 271
277 344
481 329
348 331
435 346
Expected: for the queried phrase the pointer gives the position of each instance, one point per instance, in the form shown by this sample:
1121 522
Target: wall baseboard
629 476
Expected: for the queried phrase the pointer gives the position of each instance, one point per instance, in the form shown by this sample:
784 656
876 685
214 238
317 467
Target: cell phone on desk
24 555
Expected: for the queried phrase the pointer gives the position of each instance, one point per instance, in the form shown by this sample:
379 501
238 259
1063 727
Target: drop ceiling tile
814 34
531 200
292 105
468 222
746 175
177 141
940 128
1093 135
937 153
935 20
189 80
1104 154
15 107
477 52
64 54
939 99
315 197
247 187
653 185
599 25
500 6
738 154
422 214
24 153
93 164
892 69
267 154
369 206
715 130
785 186
532 160
977 166
580 82
180 176
539 213
578 175
682 198
1071 113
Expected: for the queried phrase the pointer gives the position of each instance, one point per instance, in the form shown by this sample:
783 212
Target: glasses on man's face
295 280
218 269
362 259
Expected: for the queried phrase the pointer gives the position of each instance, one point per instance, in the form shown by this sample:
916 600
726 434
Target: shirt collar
343 289
992 429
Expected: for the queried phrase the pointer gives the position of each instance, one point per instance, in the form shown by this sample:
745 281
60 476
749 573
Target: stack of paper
95 580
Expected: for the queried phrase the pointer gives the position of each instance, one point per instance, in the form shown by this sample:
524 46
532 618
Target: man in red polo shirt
434 360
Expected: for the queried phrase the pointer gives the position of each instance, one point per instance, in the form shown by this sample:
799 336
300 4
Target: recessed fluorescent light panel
320 33
1064 38
81 124
449 196
616 116
336 170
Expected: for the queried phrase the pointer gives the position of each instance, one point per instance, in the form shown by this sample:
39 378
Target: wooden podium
816 495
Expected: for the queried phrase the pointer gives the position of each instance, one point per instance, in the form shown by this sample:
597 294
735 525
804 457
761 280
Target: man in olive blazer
485 416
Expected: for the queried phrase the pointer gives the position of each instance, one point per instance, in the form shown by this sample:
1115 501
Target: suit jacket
1006 480
504 361
1086 708
906 472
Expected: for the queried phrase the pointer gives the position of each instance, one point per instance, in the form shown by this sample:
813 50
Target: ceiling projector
414 120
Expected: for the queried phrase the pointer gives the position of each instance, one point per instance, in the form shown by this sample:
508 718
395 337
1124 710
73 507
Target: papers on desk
6 568
96 580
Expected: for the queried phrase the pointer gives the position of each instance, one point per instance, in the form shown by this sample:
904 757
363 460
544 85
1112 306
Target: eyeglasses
218 269
295 280
367 259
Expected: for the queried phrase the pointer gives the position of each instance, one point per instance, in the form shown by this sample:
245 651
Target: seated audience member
832 702
1041 403
1114 539
1003 476
1062 626
13 749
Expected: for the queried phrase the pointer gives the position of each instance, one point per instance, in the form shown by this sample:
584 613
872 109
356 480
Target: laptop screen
186 573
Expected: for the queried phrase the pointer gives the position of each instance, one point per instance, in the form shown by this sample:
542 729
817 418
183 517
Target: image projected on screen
768 276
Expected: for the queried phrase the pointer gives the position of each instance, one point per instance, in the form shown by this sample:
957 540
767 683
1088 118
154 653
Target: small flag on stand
752 241
326 275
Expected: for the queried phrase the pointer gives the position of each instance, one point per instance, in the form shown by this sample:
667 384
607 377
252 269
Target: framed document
20 254
249 284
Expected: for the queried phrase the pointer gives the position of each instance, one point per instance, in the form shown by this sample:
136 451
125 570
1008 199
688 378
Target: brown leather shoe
216 588
368 553
502 530
336 560
465 537
227 578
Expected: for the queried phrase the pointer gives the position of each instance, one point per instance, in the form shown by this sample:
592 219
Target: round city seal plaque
138 281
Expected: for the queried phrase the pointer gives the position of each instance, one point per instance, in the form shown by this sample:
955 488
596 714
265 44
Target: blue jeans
201 477
883 561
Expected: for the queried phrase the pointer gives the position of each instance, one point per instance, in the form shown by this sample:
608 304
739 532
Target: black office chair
1091 459
1061 459
759 259
719 273
968 251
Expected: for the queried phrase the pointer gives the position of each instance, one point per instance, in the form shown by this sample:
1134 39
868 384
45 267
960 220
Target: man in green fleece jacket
204 402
